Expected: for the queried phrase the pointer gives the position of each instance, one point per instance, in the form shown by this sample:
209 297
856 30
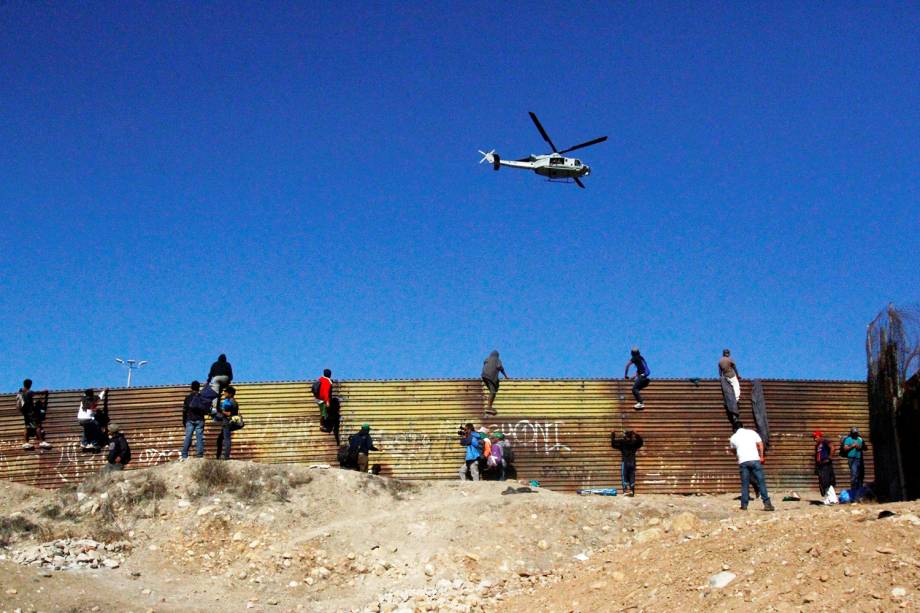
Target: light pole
130 365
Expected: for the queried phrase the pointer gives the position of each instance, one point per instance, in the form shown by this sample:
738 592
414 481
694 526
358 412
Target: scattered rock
684 522
898 592
810 597
885 550
543 545
722 579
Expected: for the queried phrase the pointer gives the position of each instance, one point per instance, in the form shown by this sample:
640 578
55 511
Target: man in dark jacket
824 466
220 376
193 422
228 410
119 450
641 378
360 444
628 446
491 367
33 414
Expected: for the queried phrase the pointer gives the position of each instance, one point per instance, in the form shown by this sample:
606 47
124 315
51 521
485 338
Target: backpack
315 388
508 454
127 455
237 423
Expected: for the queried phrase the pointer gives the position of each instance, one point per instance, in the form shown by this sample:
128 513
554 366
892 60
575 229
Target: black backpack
315 389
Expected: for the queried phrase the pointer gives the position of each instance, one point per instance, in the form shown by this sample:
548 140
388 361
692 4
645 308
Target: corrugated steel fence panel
559 429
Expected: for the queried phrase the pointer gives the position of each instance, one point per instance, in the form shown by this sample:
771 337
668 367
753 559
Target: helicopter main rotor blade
587 144
580 184
542 131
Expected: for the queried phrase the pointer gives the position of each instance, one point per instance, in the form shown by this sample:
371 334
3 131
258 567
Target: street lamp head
119 360
141 363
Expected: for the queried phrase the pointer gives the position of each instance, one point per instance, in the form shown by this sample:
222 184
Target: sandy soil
294 538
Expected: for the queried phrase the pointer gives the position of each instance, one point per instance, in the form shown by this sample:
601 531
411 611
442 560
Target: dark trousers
826 477
856 472
92 433
731 403
752 471
223 442
492 386
640 383
628 474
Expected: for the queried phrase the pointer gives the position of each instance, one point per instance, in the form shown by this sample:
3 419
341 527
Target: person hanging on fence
32 406
86 416
322 392
491 367
119 451
731 388
640 379
219 377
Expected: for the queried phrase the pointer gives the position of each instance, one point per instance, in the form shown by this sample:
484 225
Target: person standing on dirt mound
748 447
853 446
193 422
228 409
641 378
491 367
824 466
219 377
628 446
470 439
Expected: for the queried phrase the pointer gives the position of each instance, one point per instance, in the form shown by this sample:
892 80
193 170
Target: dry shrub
250 483
212 475
16 525
150 488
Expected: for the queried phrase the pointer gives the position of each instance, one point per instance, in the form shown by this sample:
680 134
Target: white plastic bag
831 497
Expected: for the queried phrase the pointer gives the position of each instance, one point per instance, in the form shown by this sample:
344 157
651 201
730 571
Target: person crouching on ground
472 440
119 450
228 408
496 461
362 444
628 446
86 416
748 447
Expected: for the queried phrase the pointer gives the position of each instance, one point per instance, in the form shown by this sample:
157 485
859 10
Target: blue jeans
196 427
749 470
856 473
628 475
640 383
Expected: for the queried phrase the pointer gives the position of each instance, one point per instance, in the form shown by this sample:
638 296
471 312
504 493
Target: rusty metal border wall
559 429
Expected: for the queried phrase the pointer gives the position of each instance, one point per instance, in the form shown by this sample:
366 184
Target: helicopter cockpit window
578 162
557 161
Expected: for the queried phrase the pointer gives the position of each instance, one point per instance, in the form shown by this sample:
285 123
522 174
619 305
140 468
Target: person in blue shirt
228 408
641 378
472 440
854 445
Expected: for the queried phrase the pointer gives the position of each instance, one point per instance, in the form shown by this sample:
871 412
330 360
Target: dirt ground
236 536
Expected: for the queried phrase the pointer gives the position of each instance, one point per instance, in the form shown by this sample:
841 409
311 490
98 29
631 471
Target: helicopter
554 166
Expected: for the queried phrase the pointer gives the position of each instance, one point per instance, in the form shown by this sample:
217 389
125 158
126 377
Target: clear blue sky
297 186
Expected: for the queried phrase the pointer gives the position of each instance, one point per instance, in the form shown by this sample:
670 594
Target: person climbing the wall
491 367
640 379
322 392
731 388
219 377
628 446
33 414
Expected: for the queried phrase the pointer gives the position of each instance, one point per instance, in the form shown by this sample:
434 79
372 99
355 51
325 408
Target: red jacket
325 389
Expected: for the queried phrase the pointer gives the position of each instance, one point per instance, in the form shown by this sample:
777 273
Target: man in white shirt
748 447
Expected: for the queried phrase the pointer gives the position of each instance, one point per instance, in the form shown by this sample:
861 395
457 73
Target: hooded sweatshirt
491 367
221 368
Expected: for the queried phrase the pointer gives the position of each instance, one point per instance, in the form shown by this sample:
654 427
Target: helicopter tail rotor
492 158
